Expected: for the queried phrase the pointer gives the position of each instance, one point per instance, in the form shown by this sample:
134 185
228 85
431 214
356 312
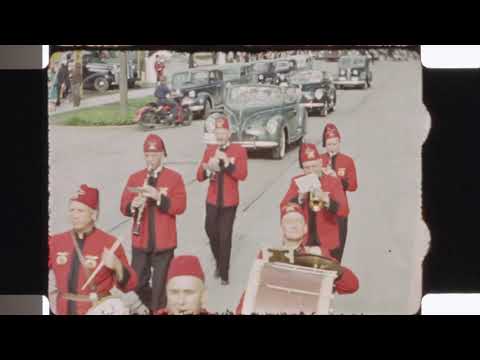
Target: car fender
204 96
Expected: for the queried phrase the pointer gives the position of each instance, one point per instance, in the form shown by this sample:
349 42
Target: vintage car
202 89
237 73
284 67
264 71
354 71
318 91
262 117
301 62
103 74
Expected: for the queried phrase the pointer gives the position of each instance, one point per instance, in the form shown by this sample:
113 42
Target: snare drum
109 306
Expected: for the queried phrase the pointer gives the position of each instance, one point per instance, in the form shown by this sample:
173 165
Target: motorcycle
171 113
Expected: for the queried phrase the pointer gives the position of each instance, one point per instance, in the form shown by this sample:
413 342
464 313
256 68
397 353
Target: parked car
262 117
318 91
264 71
102 74
237 73
202 89
354 71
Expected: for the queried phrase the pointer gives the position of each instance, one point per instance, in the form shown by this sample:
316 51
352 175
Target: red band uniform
347 283
223 198
323 229
71 270
344 167
157 239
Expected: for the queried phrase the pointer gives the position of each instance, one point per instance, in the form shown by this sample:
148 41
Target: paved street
382 129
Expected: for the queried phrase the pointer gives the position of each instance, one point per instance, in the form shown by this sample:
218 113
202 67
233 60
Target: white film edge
451 56
451 304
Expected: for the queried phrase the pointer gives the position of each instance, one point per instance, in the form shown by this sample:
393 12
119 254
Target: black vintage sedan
318 91
264 71
201 89
262 117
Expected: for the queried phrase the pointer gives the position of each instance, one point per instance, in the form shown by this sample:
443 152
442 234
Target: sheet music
307 183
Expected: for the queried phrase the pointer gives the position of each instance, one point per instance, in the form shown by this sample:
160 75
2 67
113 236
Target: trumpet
316 203
140 210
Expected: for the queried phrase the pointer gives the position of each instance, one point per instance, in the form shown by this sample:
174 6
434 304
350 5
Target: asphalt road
382 128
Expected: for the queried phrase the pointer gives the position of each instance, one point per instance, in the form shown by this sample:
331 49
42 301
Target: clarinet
139 211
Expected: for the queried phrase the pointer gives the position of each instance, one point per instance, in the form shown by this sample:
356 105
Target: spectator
52 86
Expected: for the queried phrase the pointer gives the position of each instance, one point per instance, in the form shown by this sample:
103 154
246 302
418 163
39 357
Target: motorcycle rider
164 96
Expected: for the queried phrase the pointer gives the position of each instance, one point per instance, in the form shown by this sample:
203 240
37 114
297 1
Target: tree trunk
123 86
77 79
190 61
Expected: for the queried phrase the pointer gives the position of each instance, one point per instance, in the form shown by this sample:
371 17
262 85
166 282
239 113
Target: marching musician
294 230
153 197
321 205
341 166
224 165
75 256
185 288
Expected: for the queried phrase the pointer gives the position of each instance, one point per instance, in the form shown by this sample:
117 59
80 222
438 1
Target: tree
190 61
123 85
77 79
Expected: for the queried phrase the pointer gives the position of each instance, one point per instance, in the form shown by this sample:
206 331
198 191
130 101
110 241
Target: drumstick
101 265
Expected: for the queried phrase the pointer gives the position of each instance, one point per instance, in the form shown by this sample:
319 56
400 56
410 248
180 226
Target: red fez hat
222 123
88 196
154 143
185 266
308 152
330 132
292 208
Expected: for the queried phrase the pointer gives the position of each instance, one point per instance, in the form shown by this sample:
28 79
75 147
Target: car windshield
261 67
181 79
251 96
351 61
282 65
307 77
231 73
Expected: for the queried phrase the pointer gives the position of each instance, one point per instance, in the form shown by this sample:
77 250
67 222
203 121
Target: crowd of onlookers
59 84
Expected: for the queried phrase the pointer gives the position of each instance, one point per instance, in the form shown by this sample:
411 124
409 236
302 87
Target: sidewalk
102 100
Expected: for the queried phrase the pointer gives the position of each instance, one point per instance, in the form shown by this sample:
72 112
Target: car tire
207 110
324 111
279 152
334 104
101 84
189 119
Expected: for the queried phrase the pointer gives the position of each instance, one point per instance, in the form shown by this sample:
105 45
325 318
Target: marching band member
321 206
185 288
341 166
75 255
154 197
224 165
294 231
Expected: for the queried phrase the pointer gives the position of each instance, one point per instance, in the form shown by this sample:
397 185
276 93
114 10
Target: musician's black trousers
219 228
343 226
154 297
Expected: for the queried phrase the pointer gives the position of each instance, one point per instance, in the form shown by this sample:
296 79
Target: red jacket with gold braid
164 219
237 171
326 219
70 275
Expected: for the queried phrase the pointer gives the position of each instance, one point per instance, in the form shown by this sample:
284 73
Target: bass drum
109 306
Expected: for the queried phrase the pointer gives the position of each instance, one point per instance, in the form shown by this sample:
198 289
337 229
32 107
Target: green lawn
102 115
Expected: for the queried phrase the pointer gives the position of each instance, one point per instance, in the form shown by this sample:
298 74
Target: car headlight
261 77
343 72
272 126
355 72
319 94
210 124
178 93
192 94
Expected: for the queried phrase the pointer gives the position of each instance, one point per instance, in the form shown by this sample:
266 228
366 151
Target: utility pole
123 85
